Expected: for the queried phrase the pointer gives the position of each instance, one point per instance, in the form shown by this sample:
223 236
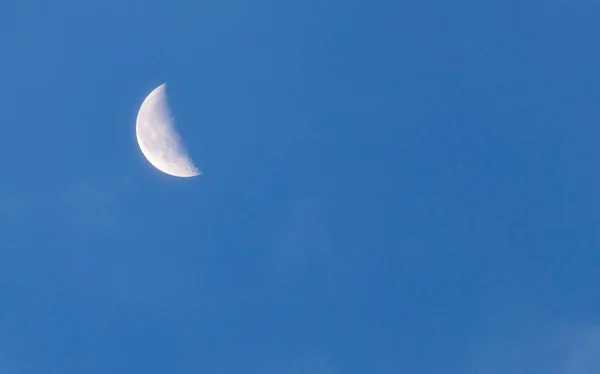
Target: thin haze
389 187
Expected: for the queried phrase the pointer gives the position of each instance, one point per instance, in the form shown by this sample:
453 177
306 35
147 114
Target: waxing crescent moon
158 138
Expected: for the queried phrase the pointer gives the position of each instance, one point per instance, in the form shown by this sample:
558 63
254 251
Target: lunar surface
158 138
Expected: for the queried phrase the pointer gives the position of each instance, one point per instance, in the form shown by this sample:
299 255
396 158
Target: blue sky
389 187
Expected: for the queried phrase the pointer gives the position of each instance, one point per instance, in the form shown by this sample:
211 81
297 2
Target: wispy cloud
573 349
77 208
583 355
94 207
303 240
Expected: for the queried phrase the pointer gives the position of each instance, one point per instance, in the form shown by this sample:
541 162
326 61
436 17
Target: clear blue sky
389 187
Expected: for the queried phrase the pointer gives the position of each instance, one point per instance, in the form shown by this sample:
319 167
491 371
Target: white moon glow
158 138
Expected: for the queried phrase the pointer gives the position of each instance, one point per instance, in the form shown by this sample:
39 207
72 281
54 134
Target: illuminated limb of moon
158 138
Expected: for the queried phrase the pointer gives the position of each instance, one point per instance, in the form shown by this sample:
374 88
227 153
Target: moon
158 138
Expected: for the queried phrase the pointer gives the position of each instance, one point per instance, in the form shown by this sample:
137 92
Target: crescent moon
158 138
